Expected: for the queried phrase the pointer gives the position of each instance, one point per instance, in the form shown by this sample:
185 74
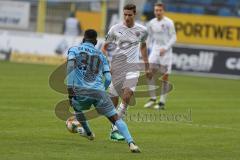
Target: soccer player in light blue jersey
88 76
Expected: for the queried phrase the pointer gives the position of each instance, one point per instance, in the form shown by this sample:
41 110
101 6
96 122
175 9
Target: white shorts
130 81
157 61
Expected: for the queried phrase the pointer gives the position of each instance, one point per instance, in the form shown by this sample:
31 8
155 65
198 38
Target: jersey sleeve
172 30
144 36
149 38
72 53
172 35
106 67
110 37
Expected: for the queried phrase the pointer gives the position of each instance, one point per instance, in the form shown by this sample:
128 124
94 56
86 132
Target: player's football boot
116 136
134 148
160 105
150 103
83 133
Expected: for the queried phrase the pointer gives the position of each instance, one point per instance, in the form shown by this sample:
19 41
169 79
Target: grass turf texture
30 129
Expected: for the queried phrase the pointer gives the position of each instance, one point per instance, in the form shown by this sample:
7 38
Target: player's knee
165 77
126 99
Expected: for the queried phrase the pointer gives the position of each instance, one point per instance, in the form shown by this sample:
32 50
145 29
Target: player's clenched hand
162 52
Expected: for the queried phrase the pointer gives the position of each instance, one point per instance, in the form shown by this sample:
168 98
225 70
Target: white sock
151 88
121 110
164 90
163 98
114 128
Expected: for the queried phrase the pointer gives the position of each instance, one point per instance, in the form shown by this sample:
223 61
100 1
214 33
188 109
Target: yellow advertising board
38 59
91 20
207 30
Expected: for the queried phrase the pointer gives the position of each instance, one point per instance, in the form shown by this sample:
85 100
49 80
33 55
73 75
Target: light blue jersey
91 64
86 69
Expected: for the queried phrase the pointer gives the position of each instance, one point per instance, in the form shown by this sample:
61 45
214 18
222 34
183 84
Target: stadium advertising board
5 54
207 30
14 14
206 60
186 58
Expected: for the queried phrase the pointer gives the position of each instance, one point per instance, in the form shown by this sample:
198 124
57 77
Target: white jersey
162 34
125 51
126 41
71 27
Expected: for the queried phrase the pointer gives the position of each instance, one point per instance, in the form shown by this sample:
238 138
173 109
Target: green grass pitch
30 130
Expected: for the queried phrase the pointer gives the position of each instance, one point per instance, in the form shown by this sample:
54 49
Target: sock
163 98
151 88
123 129
114 128
86 127
82 120
121 110
164 90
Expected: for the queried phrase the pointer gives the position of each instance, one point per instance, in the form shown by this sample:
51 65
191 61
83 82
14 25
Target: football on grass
72 124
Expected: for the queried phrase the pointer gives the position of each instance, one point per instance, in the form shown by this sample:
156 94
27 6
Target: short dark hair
159 4
90 34
130 7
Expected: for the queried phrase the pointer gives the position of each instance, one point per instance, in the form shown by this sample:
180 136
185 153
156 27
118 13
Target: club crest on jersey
164 27
137 34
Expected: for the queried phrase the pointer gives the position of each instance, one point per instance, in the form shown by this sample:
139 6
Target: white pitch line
204 126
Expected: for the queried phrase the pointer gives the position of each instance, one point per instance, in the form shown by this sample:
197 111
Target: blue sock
123 129
82 120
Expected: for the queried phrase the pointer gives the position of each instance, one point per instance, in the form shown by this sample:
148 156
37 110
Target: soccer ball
72 124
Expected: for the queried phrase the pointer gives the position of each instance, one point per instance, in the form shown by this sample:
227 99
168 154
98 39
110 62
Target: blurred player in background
72 26
126 36
162 35
87 68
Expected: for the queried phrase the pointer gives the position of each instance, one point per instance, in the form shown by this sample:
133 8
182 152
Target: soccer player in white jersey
126 40
162 35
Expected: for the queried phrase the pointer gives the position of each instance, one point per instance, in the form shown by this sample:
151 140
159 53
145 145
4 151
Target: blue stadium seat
225 12
191 1
171 8
148 7
232 2
198 10
205 2
185 9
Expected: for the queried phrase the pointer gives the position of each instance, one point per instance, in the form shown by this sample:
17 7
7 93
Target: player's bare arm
144 53
104 49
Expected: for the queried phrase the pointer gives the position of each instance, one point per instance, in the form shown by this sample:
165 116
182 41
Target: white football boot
83 133
150 103
134 148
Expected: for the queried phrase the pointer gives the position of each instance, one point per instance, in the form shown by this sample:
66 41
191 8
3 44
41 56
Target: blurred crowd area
58 10
210 7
